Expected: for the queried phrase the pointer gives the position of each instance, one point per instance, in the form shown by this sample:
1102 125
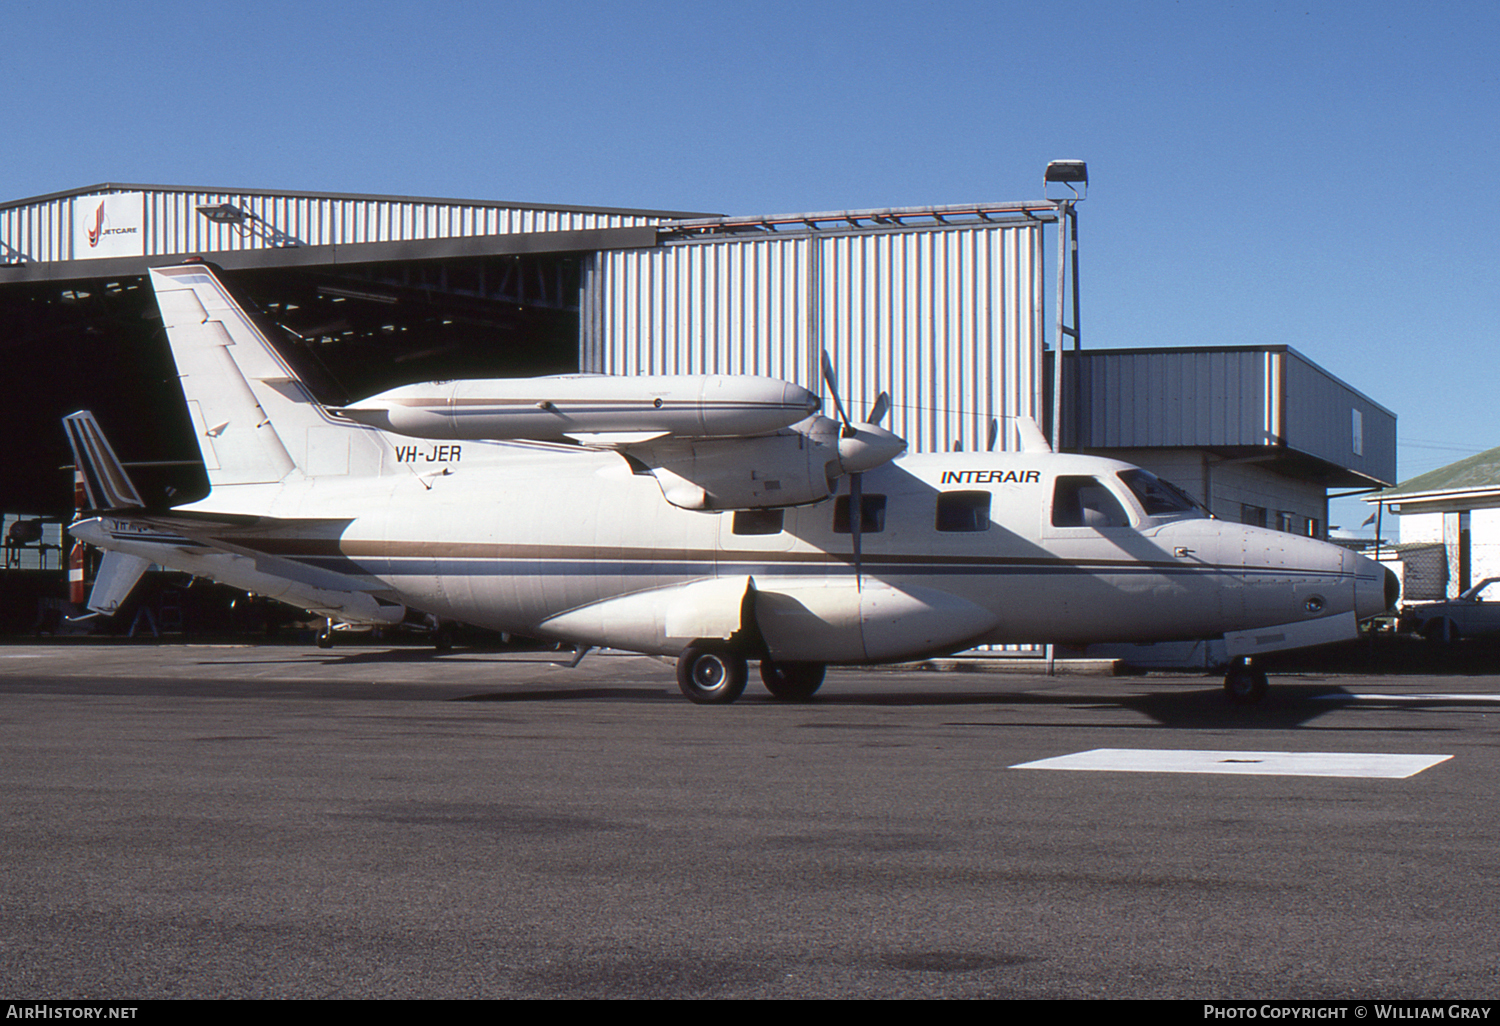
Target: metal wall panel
42 230
946 319
1245 397
1328 419
1177 398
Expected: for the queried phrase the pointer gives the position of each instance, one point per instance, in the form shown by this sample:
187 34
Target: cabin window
963 511
1084 502
758 521
872 519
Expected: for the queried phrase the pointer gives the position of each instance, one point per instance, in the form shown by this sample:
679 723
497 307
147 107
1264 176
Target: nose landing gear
1245 684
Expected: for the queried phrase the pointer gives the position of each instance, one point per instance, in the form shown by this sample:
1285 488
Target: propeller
860 448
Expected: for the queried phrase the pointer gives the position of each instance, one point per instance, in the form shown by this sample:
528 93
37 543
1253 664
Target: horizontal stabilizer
117 577
105 483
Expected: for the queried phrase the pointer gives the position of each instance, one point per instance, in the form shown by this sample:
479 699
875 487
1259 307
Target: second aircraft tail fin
106 485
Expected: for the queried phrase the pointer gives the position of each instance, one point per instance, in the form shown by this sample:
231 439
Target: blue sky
1320 175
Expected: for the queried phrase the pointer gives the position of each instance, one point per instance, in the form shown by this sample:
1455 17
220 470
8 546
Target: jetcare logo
97 231
112 225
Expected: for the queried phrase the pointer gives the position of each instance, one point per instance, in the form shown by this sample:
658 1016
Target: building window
1255 516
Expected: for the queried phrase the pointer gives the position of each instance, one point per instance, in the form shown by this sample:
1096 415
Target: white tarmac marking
1283 764
1345 697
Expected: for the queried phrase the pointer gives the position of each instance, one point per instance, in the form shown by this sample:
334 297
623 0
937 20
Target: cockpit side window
1157 497
1083 502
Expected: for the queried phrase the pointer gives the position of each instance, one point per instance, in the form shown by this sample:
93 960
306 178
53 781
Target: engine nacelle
799 465
785 469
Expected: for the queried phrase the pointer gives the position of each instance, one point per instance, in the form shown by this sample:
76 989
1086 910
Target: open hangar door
98 344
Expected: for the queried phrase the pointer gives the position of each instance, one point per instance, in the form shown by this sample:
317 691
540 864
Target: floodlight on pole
224 213
1072 173
248 222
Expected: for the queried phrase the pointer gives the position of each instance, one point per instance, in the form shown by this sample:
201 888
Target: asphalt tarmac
282 822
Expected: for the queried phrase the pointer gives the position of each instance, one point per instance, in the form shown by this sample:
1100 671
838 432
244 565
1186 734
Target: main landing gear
1245 684
791 682
711 673
715 673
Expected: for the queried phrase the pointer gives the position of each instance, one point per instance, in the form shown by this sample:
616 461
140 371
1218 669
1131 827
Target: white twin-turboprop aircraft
715 518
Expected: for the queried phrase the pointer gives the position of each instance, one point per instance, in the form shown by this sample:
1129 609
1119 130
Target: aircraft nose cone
1376 588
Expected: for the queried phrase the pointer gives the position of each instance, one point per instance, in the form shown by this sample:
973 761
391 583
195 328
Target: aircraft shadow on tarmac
1176 705
1289 706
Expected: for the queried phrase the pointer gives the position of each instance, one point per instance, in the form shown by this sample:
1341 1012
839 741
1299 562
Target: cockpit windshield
1160 498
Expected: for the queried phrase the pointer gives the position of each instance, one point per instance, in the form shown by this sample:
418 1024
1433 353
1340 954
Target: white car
1475 613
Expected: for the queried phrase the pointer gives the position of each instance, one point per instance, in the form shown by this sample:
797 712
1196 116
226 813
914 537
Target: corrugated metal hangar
944 307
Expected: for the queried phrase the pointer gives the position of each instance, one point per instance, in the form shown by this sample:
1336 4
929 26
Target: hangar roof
115 228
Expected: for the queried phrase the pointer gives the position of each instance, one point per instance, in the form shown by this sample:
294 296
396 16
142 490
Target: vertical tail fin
255 421
105 483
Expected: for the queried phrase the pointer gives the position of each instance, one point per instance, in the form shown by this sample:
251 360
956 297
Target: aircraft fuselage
955 549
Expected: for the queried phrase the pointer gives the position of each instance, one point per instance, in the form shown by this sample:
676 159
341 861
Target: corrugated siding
43 231
1178 398
1321 421
1232 397
947 320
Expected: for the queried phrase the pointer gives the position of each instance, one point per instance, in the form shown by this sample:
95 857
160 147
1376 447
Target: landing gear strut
711 673
1245 684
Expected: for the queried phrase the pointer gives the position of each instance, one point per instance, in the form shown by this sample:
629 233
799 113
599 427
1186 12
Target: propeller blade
857 523
833 389
994 435
878 411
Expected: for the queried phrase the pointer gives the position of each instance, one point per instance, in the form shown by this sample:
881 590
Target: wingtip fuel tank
568 406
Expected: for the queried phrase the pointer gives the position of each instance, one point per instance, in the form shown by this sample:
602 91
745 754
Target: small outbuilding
1457 508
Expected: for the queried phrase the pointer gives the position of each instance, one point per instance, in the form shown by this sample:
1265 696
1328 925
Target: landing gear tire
1245 684
711 674
791 682
325 637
